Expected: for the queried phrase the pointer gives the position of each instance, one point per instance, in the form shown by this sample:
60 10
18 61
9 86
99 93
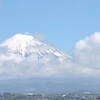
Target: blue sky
63 22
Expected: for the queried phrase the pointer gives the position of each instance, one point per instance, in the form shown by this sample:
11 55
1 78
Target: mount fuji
23 56
26 45
28 64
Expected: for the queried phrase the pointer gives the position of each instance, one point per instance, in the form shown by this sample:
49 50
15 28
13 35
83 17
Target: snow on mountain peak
20 43
25 44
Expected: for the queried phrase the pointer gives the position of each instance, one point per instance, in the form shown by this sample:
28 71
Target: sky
62 22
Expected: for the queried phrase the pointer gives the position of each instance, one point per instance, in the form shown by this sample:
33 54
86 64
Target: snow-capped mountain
27 57
26 45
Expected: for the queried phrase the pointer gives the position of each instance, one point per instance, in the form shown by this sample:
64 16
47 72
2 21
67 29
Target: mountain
26 45
27 57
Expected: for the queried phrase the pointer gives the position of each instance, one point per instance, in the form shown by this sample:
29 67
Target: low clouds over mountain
23 56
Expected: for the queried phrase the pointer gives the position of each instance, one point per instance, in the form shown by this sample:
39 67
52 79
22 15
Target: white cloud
87 54
16 66
40 37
